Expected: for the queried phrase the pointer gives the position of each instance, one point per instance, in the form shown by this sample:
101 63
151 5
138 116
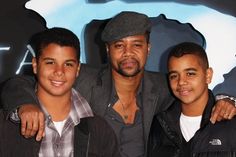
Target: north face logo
215 142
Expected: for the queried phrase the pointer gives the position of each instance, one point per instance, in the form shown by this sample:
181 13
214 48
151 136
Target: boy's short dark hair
56 35
189 48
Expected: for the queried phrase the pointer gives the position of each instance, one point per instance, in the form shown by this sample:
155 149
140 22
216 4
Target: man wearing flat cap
123 93
132 94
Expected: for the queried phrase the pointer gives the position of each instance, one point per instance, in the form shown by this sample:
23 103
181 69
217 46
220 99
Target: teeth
57 83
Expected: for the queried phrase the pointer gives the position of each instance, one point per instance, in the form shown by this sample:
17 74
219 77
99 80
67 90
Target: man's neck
126 89
57 106
127 85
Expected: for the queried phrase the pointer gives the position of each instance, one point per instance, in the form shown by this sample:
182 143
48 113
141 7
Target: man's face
189 79
56 70
128 55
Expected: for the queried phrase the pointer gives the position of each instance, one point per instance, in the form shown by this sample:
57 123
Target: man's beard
122 72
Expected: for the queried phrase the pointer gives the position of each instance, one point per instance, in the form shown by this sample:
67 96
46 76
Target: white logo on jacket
215 142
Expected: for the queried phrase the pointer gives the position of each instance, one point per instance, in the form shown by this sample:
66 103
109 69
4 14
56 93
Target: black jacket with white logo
211 140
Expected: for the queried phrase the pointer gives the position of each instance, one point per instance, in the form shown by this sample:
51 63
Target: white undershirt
59 126
189 125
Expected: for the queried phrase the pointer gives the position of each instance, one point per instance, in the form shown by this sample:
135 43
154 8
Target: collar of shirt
114 97
79 109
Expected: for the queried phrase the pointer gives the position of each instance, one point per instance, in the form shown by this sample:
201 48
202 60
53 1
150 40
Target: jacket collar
174 110
149 92
150 95
172 115
101 92
207 111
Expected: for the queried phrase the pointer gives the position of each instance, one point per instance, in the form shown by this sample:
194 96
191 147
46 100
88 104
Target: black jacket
166 140
93 137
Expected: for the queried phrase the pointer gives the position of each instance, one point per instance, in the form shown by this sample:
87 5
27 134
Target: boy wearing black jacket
185 130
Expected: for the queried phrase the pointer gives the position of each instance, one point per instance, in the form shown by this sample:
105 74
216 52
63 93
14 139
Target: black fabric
93 137
166 139
12 100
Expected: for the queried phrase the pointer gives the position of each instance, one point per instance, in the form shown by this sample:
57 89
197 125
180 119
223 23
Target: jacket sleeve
17 91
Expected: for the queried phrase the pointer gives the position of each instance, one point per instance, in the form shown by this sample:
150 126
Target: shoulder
216 137
86 78
155 77
222 130
89 75
222 126
87 72
156 82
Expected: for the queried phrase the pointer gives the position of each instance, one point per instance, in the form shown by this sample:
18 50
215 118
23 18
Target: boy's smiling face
56 69
189 79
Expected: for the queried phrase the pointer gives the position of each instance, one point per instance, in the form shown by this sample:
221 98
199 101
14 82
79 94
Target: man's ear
78 70
34 65
209 74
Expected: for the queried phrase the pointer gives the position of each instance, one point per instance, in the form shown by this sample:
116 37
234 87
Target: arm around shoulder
17 91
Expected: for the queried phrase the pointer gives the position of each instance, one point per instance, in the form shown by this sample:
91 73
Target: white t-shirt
189 125
59 126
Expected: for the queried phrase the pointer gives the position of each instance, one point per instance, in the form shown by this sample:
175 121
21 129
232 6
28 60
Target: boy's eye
69 64
49 62
172 76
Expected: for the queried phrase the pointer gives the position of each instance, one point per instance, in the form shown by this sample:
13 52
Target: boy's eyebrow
188 69
48 58
171 72
69 60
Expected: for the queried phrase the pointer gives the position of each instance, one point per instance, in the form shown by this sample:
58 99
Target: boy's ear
78 69
149 48
209 74
34 65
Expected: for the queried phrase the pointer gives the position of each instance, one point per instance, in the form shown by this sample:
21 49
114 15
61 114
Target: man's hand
223 110
32 121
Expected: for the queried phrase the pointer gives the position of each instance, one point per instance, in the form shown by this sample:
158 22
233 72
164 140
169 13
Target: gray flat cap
125 24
